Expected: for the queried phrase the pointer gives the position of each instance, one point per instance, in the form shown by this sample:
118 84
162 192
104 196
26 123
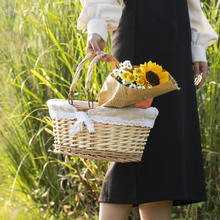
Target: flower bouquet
129 85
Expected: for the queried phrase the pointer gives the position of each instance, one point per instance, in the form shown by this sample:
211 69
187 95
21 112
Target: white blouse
100 16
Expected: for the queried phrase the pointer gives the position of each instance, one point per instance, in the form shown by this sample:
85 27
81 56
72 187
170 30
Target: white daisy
116 72
121 71
125 82
122 65
143 87
139 87
133 86
127 64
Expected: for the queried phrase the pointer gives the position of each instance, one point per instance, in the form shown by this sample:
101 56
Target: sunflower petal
149 63
163 74
164 79
157 69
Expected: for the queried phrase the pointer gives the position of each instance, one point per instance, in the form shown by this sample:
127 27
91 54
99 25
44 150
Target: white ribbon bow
82 118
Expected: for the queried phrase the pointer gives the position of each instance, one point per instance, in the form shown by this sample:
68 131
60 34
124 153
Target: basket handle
76 77
114 64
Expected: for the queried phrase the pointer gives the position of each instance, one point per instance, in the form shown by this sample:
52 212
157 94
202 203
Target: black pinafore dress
171 166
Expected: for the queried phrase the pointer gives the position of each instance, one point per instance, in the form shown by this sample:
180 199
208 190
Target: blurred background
40 49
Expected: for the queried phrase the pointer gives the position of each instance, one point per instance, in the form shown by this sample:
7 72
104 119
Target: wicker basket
111 141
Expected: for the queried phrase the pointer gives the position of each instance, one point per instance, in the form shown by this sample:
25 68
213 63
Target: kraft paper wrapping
114 94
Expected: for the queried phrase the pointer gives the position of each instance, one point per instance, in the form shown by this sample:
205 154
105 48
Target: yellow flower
148 85
145 67
164 77
131 78
125 75
140 81
154 74
128 76
138 72
152 78
151 67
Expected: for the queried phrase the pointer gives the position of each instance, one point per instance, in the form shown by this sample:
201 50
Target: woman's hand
96 45
200 73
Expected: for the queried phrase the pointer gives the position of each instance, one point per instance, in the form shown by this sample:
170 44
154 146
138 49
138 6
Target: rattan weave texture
109 142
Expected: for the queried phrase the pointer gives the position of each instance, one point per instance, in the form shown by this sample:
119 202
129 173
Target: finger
198 80
196 68
89 48
102 44
95 46
196 74
203 73
201 81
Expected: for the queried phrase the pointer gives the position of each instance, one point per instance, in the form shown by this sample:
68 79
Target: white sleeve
99 16
203 34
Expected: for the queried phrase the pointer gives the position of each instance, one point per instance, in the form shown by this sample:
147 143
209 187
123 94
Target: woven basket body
117 143
108 142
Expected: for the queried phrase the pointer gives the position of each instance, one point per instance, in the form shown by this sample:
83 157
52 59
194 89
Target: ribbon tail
76 128
82 116
90 125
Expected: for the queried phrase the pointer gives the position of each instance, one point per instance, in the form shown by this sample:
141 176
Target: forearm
203 35
99 16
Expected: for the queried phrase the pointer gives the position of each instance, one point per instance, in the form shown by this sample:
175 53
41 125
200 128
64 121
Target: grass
40 49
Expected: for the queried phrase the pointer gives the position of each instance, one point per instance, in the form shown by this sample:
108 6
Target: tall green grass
40 49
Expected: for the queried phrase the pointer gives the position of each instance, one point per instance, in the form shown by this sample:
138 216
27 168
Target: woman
174 34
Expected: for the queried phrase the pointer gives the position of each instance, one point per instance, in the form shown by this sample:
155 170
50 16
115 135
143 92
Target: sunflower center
152 78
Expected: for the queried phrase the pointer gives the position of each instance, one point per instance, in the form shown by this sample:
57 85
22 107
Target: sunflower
154 74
